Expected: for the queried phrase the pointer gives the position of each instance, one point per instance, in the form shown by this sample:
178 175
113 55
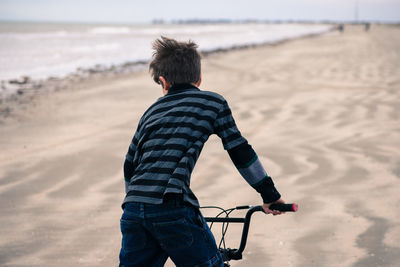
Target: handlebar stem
243 241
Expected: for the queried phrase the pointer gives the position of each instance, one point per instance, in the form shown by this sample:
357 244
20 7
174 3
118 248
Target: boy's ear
165 85
161 83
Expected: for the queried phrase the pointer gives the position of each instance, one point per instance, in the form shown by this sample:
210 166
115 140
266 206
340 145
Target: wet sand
323 114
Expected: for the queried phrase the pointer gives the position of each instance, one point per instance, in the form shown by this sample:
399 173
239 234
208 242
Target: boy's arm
129 168
244 157
129 165
251 169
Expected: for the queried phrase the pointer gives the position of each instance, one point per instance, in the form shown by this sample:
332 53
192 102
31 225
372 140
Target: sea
43 50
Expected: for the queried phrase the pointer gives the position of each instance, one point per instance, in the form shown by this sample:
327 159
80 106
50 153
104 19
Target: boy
161 216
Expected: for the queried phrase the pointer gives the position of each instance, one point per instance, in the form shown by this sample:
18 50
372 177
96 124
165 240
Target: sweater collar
182 87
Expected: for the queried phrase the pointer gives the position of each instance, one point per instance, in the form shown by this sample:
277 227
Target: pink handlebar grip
284 207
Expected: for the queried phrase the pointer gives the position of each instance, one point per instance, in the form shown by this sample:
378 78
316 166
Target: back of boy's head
177 62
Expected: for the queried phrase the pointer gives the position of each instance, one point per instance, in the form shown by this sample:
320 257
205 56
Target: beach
322 113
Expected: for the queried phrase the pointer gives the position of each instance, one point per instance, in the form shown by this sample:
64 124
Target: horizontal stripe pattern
168 142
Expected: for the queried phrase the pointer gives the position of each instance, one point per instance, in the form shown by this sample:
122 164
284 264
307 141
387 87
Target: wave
110 30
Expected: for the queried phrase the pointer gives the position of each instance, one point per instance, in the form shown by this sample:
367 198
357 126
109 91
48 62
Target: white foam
110 30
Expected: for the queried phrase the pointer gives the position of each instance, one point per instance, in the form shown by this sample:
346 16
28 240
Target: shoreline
25 89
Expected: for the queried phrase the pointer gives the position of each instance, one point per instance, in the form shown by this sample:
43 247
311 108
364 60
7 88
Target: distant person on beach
367 26
161 215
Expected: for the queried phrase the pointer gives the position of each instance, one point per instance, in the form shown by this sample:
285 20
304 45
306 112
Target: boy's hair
177 62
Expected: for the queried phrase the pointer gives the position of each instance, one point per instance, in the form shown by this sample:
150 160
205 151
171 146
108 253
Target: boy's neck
179 87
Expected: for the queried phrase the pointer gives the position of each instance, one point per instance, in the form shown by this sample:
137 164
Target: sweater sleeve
130 163
251 169
243 155
225 128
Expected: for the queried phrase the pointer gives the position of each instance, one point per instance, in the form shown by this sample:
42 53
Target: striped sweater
168 142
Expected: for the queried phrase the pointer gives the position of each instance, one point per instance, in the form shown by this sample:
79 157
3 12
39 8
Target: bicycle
236 254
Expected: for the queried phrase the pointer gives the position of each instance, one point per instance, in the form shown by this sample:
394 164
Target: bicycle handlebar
284 207
236 254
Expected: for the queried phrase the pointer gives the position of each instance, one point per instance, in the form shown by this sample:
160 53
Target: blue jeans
152 233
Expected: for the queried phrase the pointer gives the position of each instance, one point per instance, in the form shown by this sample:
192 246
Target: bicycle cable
225 225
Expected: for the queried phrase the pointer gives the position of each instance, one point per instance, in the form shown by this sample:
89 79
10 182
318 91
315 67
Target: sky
133 11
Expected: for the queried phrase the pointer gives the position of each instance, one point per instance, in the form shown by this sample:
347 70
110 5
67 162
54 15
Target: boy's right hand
273 212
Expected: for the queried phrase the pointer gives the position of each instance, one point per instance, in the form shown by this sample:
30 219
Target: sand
323 114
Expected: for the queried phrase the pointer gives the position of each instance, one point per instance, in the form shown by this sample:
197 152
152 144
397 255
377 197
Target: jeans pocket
133 236
173 234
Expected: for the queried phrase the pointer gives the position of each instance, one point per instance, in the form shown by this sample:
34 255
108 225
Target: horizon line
204 21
